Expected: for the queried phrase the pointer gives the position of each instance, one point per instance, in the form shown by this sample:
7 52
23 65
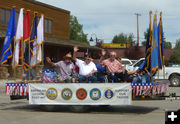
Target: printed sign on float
84 94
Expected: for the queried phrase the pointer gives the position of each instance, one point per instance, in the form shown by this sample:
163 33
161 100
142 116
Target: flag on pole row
26 37
148 49
37 45
160 43
18 40
155 44
40 39
6 51
33 39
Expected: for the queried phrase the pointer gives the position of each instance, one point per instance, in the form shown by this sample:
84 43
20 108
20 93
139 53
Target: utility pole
137 14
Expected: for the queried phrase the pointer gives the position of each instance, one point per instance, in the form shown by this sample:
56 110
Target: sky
107 18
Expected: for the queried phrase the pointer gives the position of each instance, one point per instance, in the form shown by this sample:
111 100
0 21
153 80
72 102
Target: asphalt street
140 112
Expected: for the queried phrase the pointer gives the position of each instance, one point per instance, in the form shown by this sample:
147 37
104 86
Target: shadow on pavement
91 109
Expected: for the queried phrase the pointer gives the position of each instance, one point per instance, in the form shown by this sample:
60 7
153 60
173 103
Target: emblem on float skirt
51 93
66 93
95 94
108 94
81 94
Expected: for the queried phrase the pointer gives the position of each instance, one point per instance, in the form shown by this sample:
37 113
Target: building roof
47 5
71 43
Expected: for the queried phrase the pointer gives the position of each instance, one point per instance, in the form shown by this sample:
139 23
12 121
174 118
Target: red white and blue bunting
145 89
138 89
16 89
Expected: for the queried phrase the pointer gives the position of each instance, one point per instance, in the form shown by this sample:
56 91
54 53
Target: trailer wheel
79 108
175 80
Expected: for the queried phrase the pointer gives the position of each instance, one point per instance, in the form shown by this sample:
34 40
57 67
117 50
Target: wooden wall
59 17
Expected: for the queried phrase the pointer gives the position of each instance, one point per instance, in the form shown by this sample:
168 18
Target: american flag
17 89
139 89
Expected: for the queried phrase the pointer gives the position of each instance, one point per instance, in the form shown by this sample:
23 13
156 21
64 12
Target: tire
79 108
175 80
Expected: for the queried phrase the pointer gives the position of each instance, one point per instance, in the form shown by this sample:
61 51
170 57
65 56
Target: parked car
133 61
170 73
126 62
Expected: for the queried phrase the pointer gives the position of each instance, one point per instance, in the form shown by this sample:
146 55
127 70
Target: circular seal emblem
66 93
81 94
51 93
95 94
108 94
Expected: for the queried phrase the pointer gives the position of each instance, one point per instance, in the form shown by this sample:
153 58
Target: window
125 62
139 63
48 26
8 14
3 15
16 18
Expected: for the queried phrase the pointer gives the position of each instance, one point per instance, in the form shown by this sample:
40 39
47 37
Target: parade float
45 90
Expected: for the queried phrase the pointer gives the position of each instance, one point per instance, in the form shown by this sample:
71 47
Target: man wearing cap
87 68
66 68
113 67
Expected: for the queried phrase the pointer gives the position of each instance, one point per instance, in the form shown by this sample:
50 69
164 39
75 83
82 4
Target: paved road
140 112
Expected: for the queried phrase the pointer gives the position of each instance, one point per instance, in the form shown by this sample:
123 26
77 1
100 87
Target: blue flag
6 51
147 65
160 44
27 55
155 44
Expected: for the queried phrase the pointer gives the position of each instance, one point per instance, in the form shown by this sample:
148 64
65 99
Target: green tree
166 44
123 38
76 31
143 43
175 56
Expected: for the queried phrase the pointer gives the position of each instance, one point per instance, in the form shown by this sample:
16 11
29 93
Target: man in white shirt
87 68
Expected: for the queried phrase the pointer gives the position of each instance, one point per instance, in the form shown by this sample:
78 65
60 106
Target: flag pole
22 56
159 44
22 53
13 62
42 49
43 54
29 69
150 40
12 53
29 60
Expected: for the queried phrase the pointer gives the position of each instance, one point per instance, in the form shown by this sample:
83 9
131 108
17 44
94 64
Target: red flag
26 38
26 28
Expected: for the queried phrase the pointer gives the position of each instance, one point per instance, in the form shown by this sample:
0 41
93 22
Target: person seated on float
113 67
142 75
87 68
125 76
66 68
101 72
